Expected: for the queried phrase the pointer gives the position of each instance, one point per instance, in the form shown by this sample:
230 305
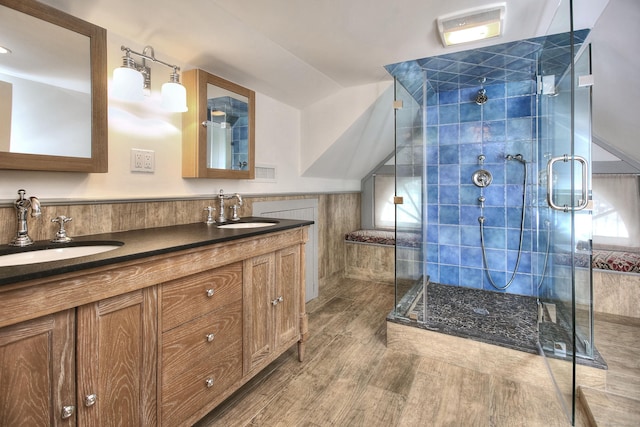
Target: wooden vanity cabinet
153 341
37 371
272 298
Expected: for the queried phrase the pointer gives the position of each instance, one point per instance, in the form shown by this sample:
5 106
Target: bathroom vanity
156 332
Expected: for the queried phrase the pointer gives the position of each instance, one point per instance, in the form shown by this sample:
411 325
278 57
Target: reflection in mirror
227 129
50 90
53 96
218 129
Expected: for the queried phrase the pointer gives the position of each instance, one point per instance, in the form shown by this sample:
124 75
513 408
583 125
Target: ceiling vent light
472 25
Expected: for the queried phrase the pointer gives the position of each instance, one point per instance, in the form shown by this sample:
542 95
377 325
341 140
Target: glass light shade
174 97
128 84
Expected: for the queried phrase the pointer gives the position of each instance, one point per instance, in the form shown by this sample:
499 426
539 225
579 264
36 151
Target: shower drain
482 311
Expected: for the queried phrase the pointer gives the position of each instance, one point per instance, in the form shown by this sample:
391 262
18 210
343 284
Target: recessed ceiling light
472 25
4 50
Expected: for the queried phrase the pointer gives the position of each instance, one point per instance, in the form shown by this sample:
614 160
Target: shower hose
522 221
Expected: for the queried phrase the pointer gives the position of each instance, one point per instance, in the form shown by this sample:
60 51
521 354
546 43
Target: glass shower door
564 219
409 153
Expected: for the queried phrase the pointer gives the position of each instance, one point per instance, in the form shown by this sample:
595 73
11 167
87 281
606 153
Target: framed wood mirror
53 90
218 131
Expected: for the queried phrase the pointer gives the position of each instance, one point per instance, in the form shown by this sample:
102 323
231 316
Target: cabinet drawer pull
90 400
67 411
277 300
209 382
210 292
210 337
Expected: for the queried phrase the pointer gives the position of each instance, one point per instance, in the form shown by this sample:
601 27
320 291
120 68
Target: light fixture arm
151 57
147 54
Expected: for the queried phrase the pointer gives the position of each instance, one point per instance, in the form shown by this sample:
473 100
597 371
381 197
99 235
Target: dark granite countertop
137 244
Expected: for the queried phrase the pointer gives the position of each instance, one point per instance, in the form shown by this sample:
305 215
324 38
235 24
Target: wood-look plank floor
350 378
618 403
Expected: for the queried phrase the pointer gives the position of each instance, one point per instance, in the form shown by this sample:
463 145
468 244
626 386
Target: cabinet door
258 310
117 360
287 292
37 371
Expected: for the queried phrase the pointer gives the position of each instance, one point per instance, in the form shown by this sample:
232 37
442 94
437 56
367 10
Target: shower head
481 97
517 157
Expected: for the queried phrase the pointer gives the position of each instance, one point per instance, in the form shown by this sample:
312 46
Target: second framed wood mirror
218 131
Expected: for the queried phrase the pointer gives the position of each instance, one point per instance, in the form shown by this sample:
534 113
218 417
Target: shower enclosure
492 175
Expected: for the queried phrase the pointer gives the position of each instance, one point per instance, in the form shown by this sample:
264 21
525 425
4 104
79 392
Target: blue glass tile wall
458 132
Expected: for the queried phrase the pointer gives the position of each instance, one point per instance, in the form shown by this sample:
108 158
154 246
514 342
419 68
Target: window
409 213
616 210
384 209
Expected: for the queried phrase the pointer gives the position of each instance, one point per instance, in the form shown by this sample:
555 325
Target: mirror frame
194 134
98 162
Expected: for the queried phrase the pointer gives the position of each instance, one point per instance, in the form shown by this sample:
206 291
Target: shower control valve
482 178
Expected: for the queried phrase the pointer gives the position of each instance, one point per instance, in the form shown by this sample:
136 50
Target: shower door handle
584 201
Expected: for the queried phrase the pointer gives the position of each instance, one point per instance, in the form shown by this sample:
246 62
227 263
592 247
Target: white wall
616 91
147 126
348 133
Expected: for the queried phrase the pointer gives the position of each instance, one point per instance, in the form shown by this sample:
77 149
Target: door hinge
586 80
547 312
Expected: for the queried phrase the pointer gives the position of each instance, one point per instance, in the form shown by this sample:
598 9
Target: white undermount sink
54 254
255 224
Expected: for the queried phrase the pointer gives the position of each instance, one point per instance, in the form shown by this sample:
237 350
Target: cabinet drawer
199 341
189 392
190 297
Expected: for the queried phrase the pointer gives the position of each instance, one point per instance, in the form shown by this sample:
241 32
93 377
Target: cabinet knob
90 400
277 301
67 411
210 292
210 337
209 382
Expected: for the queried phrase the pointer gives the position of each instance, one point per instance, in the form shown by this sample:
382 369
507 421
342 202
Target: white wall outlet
143 160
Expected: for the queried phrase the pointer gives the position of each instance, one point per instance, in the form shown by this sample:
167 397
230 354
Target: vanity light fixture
472 24
132 80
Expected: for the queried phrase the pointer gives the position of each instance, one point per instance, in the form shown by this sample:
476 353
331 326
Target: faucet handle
234 213
210 210
61 235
